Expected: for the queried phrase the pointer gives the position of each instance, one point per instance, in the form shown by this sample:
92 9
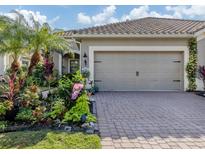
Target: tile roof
143 26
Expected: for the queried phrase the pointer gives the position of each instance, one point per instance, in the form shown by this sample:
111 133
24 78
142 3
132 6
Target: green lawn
48 140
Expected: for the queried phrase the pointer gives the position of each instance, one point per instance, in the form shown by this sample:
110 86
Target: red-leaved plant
201 72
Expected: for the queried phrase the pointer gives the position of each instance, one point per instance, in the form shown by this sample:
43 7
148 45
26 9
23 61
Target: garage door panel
156 71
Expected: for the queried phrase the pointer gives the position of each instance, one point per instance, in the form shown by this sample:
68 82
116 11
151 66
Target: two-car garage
138 70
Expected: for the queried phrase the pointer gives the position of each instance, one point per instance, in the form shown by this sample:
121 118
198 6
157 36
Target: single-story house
147 54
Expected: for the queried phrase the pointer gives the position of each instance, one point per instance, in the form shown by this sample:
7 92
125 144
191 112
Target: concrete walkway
151 119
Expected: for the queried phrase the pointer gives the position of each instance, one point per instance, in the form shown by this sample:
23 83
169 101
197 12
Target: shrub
25 114
30 96
64 88
38 75
5 106
81 108
77 77
58 109
3 125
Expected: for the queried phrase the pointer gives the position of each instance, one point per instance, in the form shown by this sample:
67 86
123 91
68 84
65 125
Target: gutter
130 36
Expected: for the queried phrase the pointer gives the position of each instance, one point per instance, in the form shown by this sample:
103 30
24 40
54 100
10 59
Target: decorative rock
45 94
92 124
90 131
68 128
85 125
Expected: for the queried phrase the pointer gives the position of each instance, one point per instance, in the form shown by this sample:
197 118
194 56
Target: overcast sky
74 17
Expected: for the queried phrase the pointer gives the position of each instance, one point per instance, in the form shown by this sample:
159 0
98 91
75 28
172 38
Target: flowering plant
77 87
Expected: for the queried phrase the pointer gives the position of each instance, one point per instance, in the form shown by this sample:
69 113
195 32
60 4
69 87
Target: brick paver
151 119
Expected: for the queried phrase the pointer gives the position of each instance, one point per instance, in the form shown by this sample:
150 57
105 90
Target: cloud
189 11
106 16
83 19
54 20
143 11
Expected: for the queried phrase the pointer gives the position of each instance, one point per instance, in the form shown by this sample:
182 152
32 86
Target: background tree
14 36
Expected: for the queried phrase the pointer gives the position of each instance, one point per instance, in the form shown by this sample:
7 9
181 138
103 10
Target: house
147 54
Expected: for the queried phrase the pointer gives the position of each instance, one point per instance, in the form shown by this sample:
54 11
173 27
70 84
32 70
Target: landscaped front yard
35 95
48 140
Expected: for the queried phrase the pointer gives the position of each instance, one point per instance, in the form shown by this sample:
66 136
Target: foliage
30 97
3 125
5 106
77 77
192 64
25 114
58 109
81 108
14 38
38 75
48 140
65 87
44 39
85 72
201 74
38 113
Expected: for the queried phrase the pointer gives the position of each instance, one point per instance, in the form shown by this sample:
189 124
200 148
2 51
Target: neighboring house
140 55
6 60
137 55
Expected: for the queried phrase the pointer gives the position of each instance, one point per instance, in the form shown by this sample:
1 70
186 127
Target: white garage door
138 71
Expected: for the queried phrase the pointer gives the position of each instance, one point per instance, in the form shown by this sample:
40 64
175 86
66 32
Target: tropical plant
25 115
81 108
3 125
30 97
58 109
77 77
10 91
65 88
44 39
201 74
38 75
5 106
14 39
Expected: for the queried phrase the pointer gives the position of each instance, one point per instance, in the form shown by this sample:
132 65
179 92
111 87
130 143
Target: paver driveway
151 119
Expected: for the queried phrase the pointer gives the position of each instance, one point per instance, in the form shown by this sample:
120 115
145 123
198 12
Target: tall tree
14 36
43 40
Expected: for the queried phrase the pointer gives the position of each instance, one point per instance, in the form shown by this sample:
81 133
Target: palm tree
14 36
43 40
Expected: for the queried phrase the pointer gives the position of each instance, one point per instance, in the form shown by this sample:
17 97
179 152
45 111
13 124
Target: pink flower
77 87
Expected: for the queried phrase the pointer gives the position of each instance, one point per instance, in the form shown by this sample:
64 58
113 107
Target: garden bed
48 139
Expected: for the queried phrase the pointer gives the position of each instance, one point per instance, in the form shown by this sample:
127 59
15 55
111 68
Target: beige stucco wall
56 60
201 59
1 64
86 43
